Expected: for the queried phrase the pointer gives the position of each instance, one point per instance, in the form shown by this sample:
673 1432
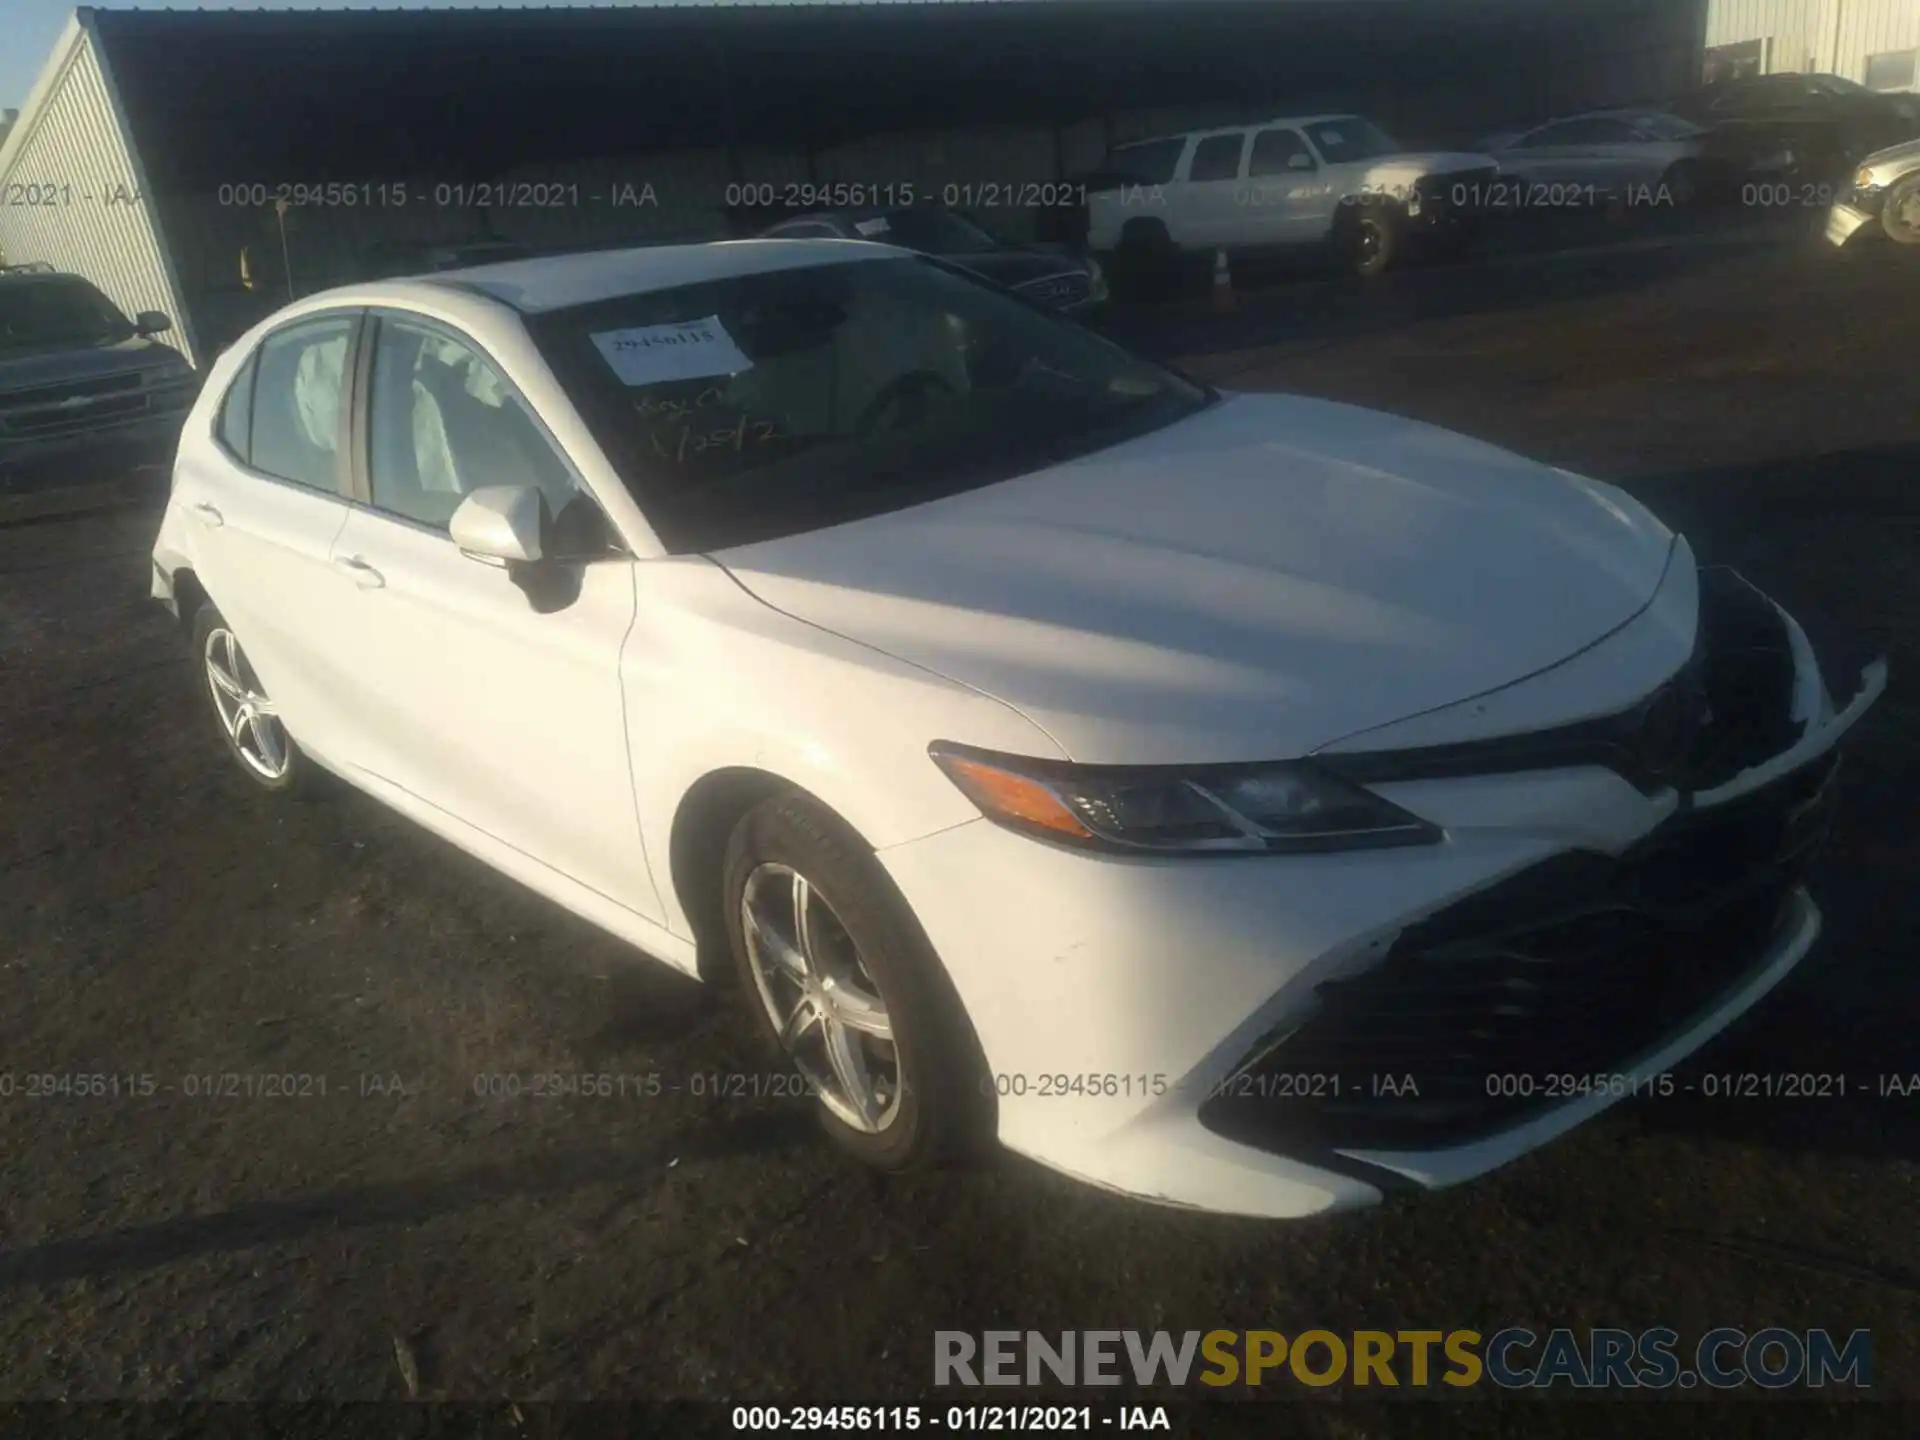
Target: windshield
1666 127
928 229
60 310
1343 141
770 404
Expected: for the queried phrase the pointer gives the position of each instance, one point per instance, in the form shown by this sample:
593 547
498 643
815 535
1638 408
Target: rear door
268 499
1210 200
493 698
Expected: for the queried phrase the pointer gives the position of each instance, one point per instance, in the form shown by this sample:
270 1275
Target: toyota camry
1246 802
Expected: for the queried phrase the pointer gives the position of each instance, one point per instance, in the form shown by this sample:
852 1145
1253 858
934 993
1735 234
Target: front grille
1058 289
1574 968
70 389
67 419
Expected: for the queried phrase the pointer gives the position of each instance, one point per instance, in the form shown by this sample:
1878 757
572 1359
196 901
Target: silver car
1881 198
1600 156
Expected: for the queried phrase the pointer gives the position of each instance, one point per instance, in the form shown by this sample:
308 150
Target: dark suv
84 391
1799 127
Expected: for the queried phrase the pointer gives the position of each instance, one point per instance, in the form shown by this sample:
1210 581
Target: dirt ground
158 922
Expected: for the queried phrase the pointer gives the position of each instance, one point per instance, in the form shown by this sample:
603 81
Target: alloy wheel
822 1002
249 717
1903 215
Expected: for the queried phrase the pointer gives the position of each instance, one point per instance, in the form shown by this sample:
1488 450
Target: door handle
364 575
209 515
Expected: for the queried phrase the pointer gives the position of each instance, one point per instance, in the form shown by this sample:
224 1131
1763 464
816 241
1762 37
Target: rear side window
1151 162
1217 158
297 400
236 414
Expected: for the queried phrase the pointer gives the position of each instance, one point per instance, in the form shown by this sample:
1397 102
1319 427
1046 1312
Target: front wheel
847 986
1900 212
249 721
1375 240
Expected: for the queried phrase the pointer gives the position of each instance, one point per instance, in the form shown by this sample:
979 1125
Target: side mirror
152 322
502 524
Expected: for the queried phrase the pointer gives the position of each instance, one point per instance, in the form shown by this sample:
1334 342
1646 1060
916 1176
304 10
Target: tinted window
442 423
774 403
1217 158
297 400
1273 149
1151 162
236 413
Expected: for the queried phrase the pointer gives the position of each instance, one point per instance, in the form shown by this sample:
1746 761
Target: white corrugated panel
70 147
1864 28
1792 26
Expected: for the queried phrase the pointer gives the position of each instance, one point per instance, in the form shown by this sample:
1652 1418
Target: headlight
1096 279
1212 809
1863 179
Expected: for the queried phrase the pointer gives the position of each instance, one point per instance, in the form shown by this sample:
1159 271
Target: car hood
1263 578
1895 159
1405 169
48 365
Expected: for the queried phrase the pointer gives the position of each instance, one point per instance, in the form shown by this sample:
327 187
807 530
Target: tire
1147 260
933 1104
262 739
1375 239
1900 212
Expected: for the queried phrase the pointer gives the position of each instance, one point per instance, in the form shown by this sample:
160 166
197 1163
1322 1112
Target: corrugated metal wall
1792 25
100 224
1833 36
1872 27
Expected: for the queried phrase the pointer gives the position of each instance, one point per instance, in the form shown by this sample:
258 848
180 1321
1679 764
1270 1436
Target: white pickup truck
1323 180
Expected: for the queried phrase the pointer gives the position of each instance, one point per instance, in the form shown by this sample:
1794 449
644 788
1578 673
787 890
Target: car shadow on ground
408 1202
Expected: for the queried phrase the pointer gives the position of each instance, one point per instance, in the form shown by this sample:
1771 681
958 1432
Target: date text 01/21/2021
962 1419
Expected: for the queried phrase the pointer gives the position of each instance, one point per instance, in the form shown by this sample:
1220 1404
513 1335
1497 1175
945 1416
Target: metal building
1875 42
158 143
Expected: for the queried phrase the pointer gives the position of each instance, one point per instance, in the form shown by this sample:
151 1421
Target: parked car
1880 200
1797 127
82 387
1335 181
1052 747
1049 275
1603 156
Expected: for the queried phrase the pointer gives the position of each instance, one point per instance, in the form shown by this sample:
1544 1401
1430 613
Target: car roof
554 282
1296 120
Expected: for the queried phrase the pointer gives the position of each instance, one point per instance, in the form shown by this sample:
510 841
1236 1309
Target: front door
506 714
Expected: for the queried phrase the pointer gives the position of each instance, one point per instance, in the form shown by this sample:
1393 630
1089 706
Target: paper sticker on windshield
652 354
1332 137
876 226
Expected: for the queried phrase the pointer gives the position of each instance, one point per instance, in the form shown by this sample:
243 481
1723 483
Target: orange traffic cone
1224 300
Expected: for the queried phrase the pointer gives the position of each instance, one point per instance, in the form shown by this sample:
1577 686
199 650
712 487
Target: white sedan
1239 801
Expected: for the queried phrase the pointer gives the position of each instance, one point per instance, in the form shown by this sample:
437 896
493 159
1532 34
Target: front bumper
1273 1036
103 453
1845 219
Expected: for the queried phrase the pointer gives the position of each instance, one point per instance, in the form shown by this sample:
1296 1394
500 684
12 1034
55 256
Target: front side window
1276 152
774 403
1217 158
1344 141
297 398
59 311
442 423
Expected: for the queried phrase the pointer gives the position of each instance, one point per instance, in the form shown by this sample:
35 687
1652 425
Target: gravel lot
160 921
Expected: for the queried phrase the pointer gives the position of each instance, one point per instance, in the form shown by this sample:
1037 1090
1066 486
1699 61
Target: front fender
715 679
